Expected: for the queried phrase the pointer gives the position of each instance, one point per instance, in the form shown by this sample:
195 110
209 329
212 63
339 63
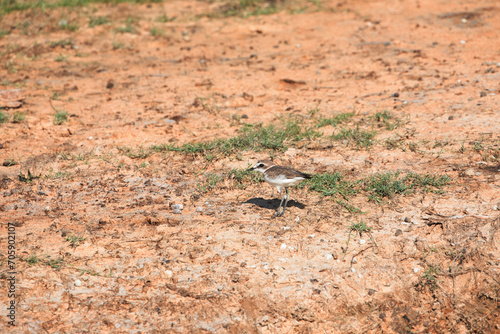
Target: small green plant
9 162
389 184
335 120
385 185
18 117
129 26
56 264
246 8
429 278
359 228
140 153
32 260
57 175
28 178
386 119
60 117
211 181
242 177
254 137
164 18
118 45
157 32
61 58
98 20
62 43
74 240
3 117
70 26
359 137
331 184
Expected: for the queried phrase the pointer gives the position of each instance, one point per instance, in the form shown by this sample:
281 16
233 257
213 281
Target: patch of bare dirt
102 244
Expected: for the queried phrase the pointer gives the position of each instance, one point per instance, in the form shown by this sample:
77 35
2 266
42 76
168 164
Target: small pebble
177 206
283 246
407 219
495 207
329 256
78 283
177 211
451 118
416 270
398 232
199 209
353 270
362 241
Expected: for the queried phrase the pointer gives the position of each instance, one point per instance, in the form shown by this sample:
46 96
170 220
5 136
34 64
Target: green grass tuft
251 137
18 117
98 21
242 177
211 181
60 117
331 184
3 117
389 184
355 136
335 120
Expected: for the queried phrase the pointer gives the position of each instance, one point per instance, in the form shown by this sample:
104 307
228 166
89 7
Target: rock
11 98
177 207
78 283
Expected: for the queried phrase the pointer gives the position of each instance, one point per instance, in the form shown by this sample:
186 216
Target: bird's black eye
260 165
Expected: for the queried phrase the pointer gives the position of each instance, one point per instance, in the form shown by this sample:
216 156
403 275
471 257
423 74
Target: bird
281 177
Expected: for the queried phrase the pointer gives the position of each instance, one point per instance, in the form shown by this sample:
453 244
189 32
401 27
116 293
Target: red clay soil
99 246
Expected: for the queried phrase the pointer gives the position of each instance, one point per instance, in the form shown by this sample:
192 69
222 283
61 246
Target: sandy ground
99 247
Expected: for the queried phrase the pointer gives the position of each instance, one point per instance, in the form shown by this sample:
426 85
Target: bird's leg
287 197
281 203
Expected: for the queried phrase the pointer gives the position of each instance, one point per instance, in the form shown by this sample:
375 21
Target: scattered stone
362 241
495 207
177 211
382 315
416 270
177 207
407 219
469 172
398 232
395 95
199 209
283 246
110 84
78 283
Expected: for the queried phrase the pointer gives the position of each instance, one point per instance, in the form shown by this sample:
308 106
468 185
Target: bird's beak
250 169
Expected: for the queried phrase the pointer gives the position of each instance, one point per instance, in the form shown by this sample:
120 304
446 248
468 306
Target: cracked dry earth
101 246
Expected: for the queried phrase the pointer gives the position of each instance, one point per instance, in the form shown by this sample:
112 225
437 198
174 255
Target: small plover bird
281 177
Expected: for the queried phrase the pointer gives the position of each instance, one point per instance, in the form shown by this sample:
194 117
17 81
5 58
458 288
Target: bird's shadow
272 203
